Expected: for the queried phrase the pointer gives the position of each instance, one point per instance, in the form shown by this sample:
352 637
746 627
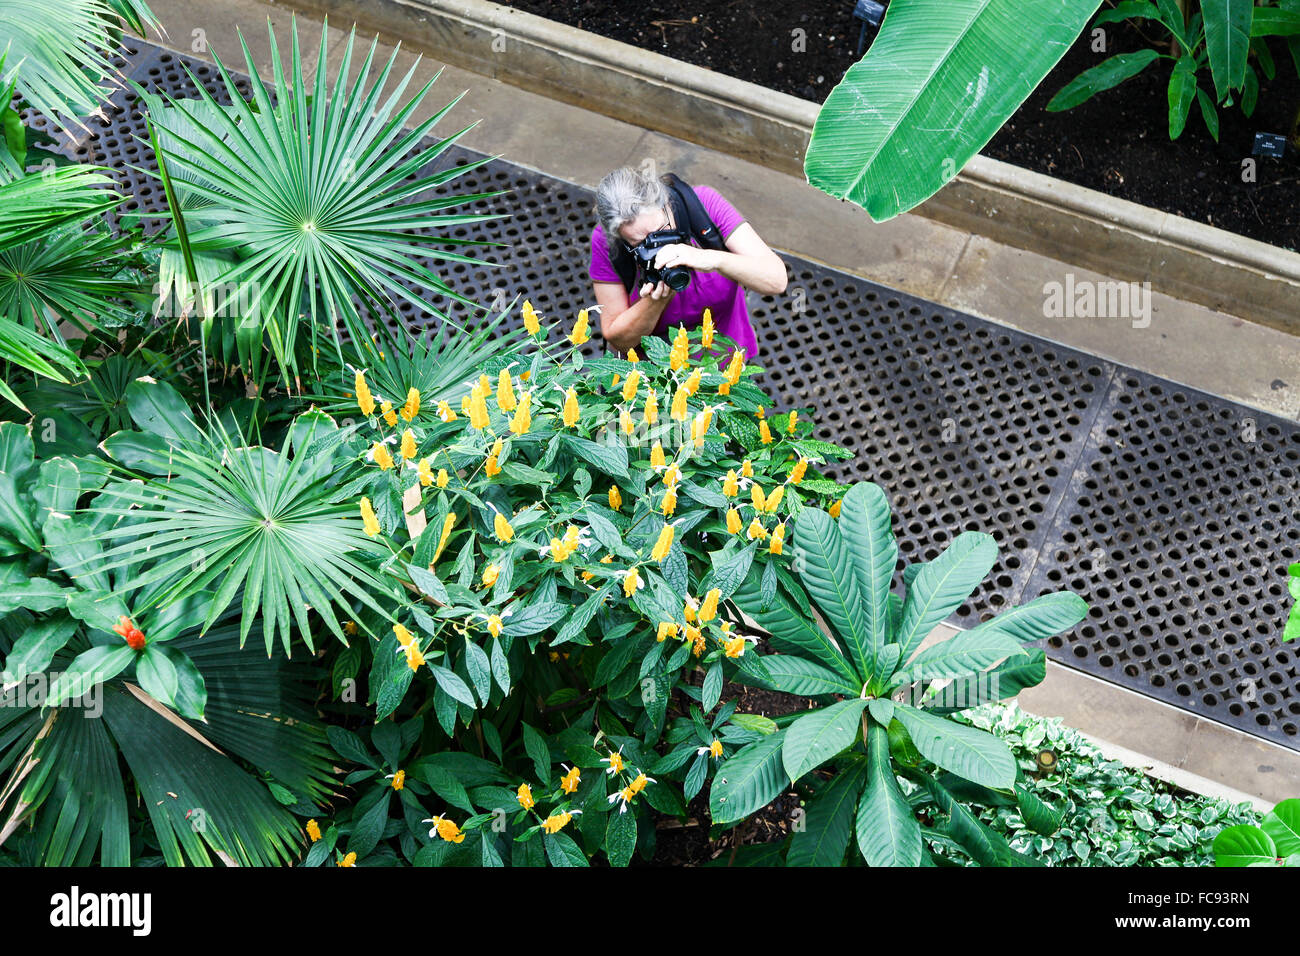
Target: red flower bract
134 636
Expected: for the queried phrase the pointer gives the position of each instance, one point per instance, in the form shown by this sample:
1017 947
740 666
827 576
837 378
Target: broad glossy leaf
817 737
941 586
1282 823
939 80
887 830
1227 41
828 821
966 751
748 780
865 524
1244 845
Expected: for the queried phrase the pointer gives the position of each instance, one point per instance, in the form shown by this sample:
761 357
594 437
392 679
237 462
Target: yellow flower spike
835 508
478 412
409 448
756 530
368 517
494 624
525 796
778 539
698 643
761 413
615 498
505 392
382 458
632 356
733 521
448 830
734 367
797 472
313 830
735 647
484 384
657 459
571 535
692 383
630 386
413 656
399 780
349 860
794 416
569 782
666 629
764 432
523 420
607 559
731 484
580 334
774 499
679 409
672 475
615 380
706 337
638 784
532 321
571 410
680 351
497 446
651 408
724 388
625 422
492 467
664 545
446 533
350 628
490 575
443 478
746 469
630 583
709 609
670 502
424 471
556 822
365 401
390 416
715 748
688 612
756 493
404 637
412 406
465 403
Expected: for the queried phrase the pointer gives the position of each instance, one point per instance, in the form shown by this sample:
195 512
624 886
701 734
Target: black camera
675 277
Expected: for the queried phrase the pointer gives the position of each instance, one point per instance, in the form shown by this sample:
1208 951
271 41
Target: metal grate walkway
1173 512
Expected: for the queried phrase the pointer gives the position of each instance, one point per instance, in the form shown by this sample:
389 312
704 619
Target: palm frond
318 192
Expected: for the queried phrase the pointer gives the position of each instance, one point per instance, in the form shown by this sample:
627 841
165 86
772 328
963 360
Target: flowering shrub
571 533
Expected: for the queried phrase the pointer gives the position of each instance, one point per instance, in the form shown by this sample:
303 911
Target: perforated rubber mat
1173 513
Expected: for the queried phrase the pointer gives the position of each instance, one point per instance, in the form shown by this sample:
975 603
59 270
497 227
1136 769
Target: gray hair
623 195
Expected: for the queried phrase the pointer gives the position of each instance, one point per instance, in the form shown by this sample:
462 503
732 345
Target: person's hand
656 291
684 254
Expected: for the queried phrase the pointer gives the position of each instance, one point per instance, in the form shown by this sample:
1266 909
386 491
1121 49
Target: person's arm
624 325
749 262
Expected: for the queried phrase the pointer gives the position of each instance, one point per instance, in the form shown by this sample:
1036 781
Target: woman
629 206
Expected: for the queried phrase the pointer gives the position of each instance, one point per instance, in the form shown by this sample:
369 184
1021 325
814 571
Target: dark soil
1117 142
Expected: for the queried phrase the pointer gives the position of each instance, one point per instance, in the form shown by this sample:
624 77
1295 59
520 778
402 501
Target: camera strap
686 208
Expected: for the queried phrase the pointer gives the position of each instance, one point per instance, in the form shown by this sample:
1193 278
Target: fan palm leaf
316 190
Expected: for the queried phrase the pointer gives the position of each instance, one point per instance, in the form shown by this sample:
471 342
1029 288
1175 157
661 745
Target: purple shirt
707 290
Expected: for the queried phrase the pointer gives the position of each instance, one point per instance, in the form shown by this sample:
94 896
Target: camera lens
676 278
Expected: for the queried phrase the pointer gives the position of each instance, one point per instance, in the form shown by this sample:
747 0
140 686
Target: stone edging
1013 206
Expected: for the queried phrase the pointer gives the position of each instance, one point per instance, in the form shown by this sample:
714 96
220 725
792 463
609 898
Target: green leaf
620 838
157 675
158 409
611 459
452 684
1282 823
534 618
1244 845
814 738
832 581
941 586
1227 41
828 821
794 675
1040 817
1182 90
748 780
1106 74
963 653
562 851
712 688
941 77
480 669
974 754
888 833
865 523
538 753
88 669
34 650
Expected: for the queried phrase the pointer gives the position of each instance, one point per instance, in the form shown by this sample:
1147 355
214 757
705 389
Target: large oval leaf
939 80
1282 824
865 524
748 781
832 583
828 823
974 754
817 737
888 833
942 585
1244 845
